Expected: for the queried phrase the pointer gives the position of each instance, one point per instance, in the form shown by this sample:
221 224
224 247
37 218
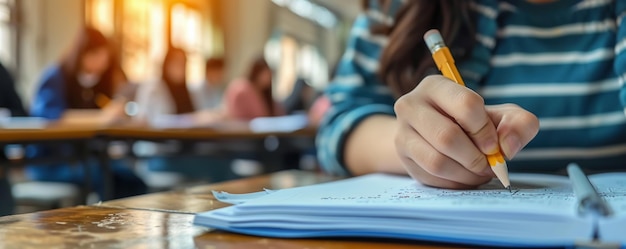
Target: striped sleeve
477 66
620 49
355 91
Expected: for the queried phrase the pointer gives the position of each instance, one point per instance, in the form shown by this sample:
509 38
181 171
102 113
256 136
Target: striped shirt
564 61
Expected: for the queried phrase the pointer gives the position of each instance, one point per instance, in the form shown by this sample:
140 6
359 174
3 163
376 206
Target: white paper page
612 187
279 124
395 206
537 194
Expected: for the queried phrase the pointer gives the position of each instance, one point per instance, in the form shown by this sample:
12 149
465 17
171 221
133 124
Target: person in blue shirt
10 100
85 78
543 75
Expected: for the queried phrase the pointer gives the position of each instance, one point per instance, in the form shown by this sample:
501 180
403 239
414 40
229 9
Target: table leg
82 153
107 173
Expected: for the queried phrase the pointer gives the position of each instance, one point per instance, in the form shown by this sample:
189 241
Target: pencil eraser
432 37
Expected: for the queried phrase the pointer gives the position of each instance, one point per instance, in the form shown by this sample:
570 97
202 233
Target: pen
445 63
588 197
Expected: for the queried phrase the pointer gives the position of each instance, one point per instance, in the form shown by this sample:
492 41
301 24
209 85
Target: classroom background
216 48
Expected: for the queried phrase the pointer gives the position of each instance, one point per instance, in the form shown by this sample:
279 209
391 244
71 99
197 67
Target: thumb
516 127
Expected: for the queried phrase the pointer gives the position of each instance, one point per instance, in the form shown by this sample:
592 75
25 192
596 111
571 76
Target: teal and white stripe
564 61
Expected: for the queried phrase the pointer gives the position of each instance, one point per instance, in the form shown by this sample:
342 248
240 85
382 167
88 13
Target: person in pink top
251 97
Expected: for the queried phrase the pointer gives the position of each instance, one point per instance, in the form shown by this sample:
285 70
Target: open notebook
544 211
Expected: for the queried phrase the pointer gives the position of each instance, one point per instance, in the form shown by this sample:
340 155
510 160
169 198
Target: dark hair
214 63
178 90
406 60
87 40
256 68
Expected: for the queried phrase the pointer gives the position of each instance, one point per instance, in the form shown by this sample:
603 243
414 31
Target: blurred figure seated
170 96
318 109
301 97
305 99
251 97
208 95
11 104
85 78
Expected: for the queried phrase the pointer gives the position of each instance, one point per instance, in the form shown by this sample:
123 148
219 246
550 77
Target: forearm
371 148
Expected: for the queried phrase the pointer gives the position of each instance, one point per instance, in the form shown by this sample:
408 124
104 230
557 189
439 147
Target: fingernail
490 146
511 146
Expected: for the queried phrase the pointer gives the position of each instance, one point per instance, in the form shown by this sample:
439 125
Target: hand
445 130
113 112
208 117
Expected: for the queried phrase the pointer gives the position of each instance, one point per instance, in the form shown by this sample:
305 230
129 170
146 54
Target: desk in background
92 138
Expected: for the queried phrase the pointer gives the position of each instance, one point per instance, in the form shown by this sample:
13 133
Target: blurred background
298 38
50 49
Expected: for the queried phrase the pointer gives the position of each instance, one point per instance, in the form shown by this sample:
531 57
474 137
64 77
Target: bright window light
310 10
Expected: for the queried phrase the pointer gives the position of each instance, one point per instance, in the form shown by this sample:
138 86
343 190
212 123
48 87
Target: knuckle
470 99
471 107
530 120
401 105
431 80
408 145
446 137
435 163
413 147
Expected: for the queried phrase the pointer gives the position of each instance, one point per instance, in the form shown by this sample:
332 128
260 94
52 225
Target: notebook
543 210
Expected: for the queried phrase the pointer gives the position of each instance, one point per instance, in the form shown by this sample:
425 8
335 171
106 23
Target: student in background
10 100
170 96
318 110
209 94
563 61
301 97
251 97
85 78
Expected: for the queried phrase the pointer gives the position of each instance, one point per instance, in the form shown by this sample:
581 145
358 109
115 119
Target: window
100 14
143 38
145 28
8 34
186 33
292 60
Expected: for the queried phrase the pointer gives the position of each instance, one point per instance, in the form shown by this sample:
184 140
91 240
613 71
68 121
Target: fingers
425 178
466 107
516 127
432 167
447 138
445 130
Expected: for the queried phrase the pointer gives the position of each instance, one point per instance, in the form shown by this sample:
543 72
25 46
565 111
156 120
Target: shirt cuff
332 137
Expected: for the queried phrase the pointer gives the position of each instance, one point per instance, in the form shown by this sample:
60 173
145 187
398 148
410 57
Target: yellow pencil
445 63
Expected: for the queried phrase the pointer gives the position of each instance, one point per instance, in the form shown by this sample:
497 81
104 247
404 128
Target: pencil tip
509 188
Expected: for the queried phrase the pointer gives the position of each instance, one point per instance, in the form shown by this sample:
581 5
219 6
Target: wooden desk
199 199
156 221
97 227
82 135
232 134
51 133
232 130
